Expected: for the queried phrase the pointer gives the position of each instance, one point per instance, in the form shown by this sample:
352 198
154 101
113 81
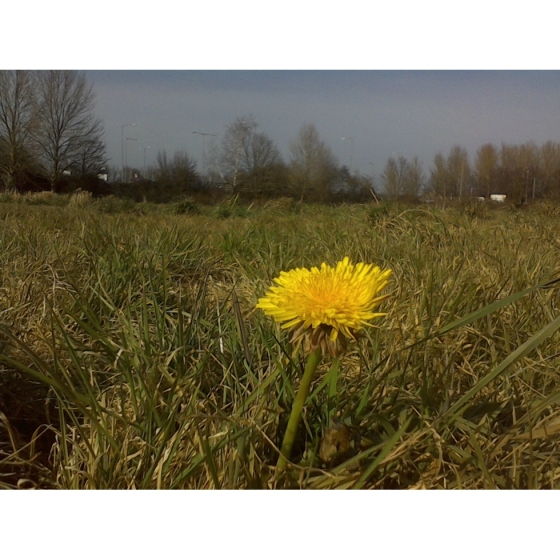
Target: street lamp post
203 134
122 149
144 168
126 150
351 148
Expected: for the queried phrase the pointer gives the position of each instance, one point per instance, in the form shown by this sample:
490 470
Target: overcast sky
410 113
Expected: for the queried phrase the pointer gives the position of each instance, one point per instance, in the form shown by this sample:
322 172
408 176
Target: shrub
377 212
474 209
284 203
47 198
80 198
229 208
114 205
187 205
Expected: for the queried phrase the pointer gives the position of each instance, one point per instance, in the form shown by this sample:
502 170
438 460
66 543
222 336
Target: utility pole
123 159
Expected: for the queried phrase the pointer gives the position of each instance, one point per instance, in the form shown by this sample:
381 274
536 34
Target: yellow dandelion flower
326 305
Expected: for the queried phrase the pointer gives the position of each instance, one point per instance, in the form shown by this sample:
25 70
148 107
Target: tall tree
402 178
549 164
234 144
529 154
440 180
261 163
518 170
66 120
177 175
313 165
486 169
90 157
392 177
414 179
459 171
259 151
17 118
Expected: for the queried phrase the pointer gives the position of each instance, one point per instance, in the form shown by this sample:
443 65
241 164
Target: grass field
132 355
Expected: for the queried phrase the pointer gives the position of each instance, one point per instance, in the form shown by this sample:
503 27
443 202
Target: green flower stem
295 416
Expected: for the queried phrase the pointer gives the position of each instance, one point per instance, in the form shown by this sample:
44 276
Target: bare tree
249 161
486 169
261 163
391 178
459 170
550 168
530 163
17 118
402 178
414 178
259 151
313 165
66 121
236 141
510 174
451 177
90 157
439 176
176 175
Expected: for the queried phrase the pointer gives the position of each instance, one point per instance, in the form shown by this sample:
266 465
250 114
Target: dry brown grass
123 341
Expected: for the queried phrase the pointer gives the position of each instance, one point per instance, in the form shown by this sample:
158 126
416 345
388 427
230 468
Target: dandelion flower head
325 305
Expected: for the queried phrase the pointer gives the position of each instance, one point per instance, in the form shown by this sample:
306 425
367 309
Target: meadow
132 355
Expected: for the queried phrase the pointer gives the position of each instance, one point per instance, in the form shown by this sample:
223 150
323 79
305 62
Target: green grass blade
536 340
387 448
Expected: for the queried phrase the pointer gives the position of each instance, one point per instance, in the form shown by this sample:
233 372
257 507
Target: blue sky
401 112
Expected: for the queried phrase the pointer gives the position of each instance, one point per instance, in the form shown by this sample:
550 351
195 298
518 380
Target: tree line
248 163
50 139
521 172
48 134
47 129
